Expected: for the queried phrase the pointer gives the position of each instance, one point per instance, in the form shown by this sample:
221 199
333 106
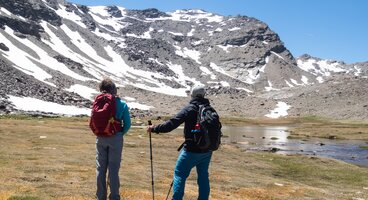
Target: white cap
198 91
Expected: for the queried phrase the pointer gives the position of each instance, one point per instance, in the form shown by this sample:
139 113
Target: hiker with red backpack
201 139
110 120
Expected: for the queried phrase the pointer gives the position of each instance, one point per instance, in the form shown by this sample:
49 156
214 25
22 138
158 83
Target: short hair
107 86
198 91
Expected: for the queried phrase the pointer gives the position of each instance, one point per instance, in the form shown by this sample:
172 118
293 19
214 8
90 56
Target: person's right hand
149 128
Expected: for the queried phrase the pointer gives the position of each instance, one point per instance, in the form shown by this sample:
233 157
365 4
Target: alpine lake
280 140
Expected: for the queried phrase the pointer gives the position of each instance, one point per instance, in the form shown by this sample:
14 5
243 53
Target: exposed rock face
48 47
26 28
34 10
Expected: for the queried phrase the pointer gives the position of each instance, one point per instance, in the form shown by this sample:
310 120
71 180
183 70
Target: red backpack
103 122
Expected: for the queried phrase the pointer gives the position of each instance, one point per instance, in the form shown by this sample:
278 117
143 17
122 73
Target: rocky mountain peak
148 13
155 57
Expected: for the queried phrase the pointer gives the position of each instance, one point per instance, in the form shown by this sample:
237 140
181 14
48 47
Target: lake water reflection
275 138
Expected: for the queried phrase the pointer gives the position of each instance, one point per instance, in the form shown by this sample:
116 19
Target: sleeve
172 123
126 119
124 115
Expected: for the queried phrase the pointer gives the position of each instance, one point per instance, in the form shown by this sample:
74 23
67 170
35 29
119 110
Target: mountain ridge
65 49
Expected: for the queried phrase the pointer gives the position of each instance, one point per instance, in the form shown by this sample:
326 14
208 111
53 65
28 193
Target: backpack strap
199 113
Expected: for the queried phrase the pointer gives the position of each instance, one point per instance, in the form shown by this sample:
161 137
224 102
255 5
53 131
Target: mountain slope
60 51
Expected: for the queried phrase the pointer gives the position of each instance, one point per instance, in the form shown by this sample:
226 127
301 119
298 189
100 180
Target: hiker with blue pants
190 155
109 149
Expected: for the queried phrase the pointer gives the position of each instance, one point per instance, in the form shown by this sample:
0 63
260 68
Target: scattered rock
273 150
4 47
279 184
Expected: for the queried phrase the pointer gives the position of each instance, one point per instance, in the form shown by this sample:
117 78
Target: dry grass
61 165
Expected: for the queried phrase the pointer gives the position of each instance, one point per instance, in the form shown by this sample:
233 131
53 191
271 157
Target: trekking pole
150 141
172 182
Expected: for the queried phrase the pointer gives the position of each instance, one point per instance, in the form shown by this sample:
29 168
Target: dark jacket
188 115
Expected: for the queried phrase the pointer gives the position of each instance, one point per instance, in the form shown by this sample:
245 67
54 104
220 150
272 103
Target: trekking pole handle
149 122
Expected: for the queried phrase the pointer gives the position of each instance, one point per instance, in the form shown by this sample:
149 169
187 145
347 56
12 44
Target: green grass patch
18 117
23 198
291 137
364 147
314 118
314 170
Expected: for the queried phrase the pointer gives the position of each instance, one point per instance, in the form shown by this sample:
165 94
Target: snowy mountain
53 55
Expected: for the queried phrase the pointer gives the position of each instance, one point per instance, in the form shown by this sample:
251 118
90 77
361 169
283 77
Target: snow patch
181 77
262 69
102 10
191 33
188 53
193 15
70 16
305 80
225 84
225 48
101 16
270 88
33 104
25 62
129 98
83 91
177 34
195 43
139 106
278 55
5 11
358 71
295 82
206 71
245 89
235 29
280 110
218 30
145 35
322 67
320 79
288 83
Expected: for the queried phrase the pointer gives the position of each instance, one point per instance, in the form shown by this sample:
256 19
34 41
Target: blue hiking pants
108 157
186 161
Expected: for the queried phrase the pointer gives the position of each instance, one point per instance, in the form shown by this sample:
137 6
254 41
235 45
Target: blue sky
328 29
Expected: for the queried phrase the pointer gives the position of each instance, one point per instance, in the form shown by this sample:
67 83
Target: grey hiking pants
108 157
